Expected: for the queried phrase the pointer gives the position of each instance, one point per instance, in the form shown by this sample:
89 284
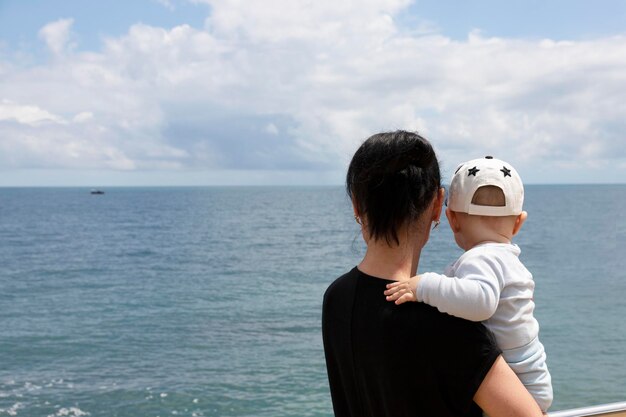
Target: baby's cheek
458 238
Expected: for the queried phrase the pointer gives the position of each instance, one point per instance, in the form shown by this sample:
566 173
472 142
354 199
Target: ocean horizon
206 300
161 186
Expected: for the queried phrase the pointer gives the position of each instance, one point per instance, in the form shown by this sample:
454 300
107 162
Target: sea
206 301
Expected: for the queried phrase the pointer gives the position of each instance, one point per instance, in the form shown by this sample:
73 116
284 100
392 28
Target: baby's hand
403 291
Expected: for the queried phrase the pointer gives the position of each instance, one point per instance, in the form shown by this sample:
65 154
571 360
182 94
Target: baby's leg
529 363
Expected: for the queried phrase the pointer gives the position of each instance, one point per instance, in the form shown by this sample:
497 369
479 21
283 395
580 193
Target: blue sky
204 92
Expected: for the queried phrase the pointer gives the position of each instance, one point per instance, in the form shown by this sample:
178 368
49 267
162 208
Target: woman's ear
519 221
355 209
438 204
357 215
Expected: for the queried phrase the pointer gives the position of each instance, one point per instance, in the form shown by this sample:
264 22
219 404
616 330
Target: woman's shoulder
341 287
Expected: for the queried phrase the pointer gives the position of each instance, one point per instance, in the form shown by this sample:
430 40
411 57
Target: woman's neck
398 263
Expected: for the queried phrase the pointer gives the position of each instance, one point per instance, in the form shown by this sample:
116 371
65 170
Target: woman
407 360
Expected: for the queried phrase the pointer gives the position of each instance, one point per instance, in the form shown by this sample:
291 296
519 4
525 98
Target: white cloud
271 129
317 77
83 117
287 20
57 35
168 4
28 115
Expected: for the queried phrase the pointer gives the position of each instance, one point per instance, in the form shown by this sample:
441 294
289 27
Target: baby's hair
489 195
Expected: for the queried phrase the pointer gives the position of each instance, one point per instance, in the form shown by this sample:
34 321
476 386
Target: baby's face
465 228
453 222
461 239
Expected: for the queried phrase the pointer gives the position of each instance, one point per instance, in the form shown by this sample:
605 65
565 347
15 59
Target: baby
488 282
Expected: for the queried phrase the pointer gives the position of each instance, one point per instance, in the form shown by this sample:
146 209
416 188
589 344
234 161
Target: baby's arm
473 294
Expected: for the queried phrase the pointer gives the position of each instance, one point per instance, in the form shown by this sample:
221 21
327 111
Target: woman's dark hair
392 179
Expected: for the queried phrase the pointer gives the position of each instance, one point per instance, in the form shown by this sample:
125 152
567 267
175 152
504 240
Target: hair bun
416 158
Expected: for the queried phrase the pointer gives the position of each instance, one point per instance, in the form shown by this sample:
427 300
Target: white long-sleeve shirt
489 283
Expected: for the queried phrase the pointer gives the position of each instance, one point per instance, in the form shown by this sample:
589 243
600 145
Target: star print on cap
472 175
473 171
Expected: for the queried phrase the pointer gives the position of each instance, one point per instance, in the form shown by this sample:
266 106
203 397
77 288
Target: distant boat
97 192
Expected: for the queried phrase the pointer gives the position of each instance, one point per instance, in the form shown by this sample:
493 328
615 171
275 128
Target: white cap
472 175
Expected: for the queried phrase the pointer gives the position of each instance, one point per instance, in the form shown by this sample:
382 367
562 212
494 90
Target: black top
406 360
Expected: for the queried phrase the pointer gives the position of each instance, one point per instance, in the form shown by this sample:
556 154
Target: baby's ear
519 221
453 220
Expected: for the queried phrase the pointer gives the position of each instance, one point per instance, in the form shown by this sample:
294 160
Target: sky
282 92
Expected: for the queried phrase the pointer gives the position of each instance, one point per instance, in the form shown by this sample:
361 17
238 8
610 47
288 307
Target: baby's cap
472 175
